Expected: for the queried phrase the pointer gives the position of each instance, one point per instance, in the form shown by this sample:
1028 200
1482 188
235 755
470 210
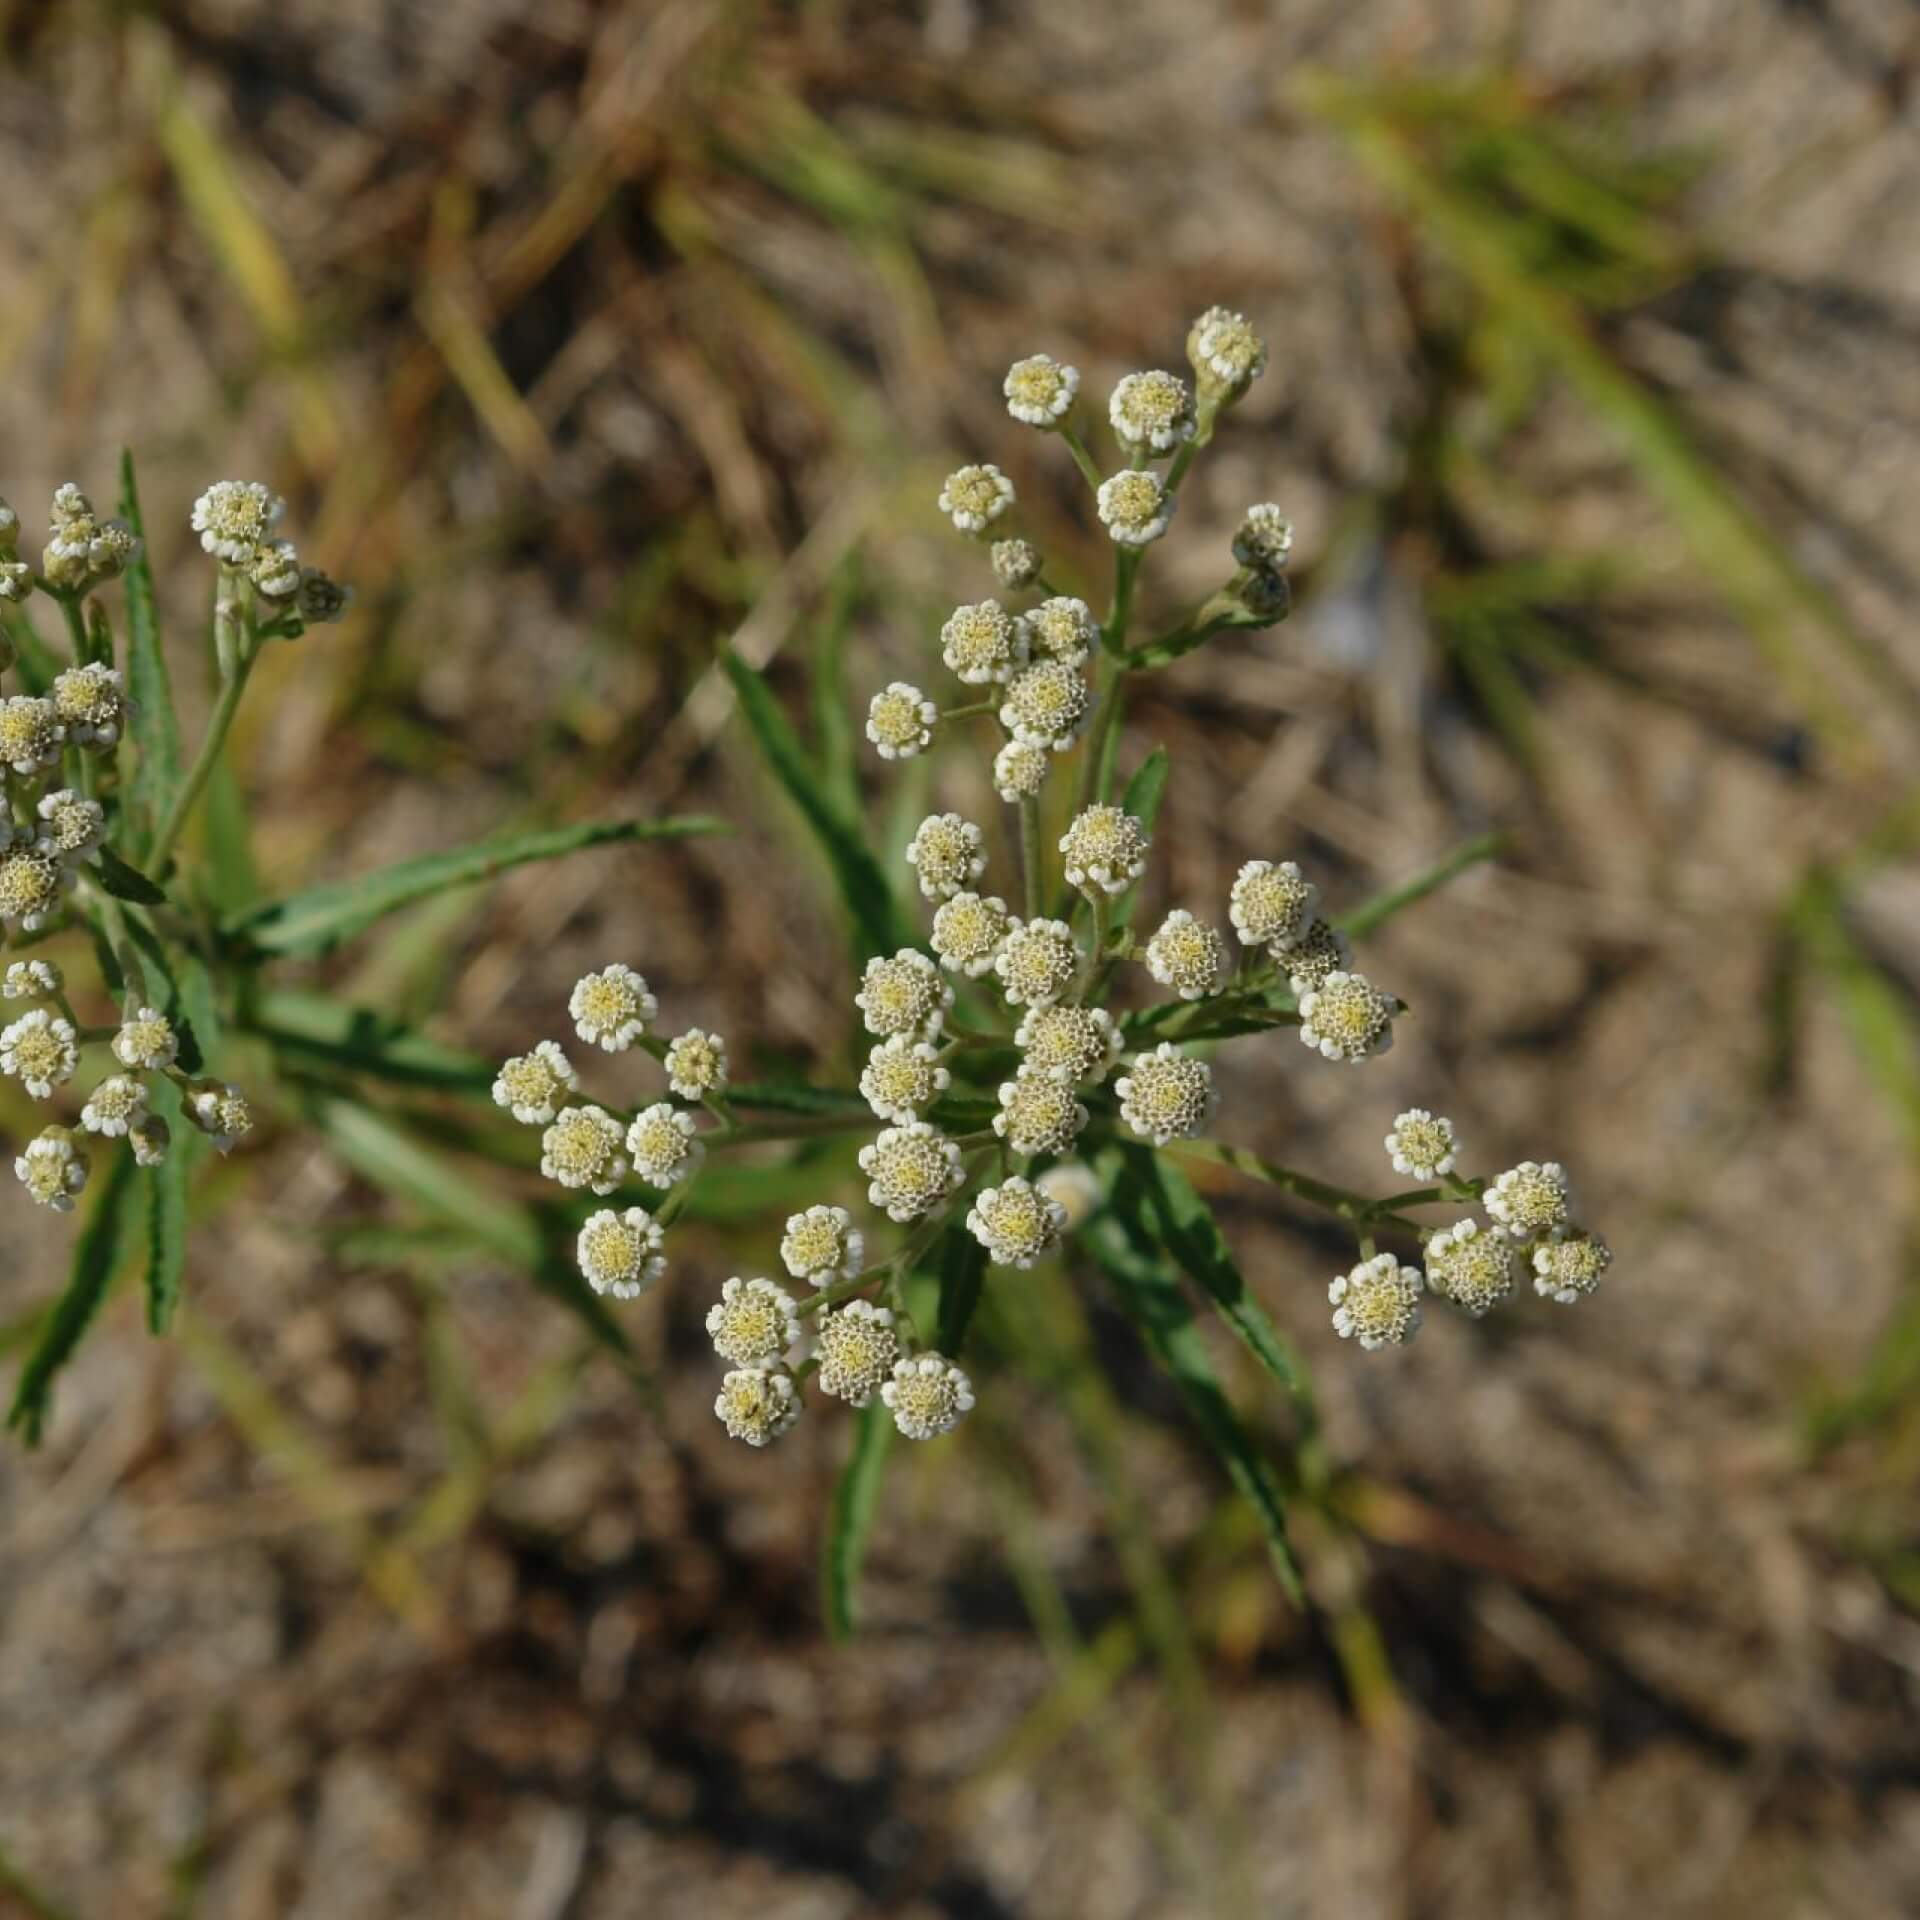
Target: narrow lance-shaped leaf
125 882
166 1187
1383 906
854 1500
963 1272
152 722
323 916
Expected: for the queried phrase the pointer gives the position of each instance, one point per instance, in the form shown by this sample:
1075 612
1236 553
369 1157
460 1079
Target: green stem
202 769
972 708
1030 857
1082 459
1350 1206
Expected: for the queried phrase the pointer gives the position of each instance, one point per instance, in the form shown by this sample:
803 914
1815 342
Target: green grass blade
851 1522
322 917
877 922
1383 906
152 721
96 1255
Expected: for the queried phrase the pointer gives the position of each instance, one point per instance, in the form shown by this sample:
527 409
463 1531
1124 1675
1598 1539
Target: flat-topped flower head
754 1323
1271 904
32 885
902 1078
620 1252
319 599
948 853
1531 1199
1152 412
31 980
82 548
71 825
911 1169
663 1144
968 930
1104 850
221 1113
983 644
1377 1303
1047 706
927 1396
1016 1222
900 721
857 1349
30 733
89 704
150 1140
1036 962
52 1169
582 1149
234 518
1063 629
1422 1145
903 993
146 1042
275 570
1569 1264
533 1087
1320 952
1348 1018
115 1107
1166 1095
975 497
1038 1114
1070 1044
1187 956
1472 1268
41 1051
1016 564
1135 507
1264 539
822 1245
1020 770
1226 354
696 1064
611 1008
757 1404
1040 390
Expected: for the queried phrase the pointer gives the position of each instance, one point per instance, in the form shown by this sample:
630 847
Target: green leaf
125 882
877 922
1147 787
166 1187
782 1097
963 1271
233 882
854 1501
831 703
96 1255
1383 906
322 917
152 723
312 1027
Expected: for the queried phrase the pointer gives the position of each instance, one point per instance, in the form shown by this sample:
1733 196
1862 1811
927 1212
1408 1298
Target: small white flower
32 886
534 1086
911 1169
1016 1222
41 1051
1271 904
1071 1044
927 1396
1152 412
71 825
975 497
1569 1264
1348 1018
150 1139
235 517
1048 706
116 1106
30 734
31 980
83 549
51 1170
582 1149
1166 1096
1531 1199
1040 390
1227 355
822 1245
221 1113
146 1041
663 1144
1472 1269
857 1349
757 1404
968 930
1016 564
948 853
1036 962
1105 848
902 1078
1422 1145
1264 539
696 1064
1322 951
1187 956
275 570
1135 507
611 1008
983 643
754 1323
620 1252
1377 1302
901 720
89 704
1020 771
1038 1114
16 580
903 993
1063 629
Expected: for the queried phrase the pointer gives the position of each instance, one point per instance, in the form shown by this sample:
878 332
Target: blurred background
583 337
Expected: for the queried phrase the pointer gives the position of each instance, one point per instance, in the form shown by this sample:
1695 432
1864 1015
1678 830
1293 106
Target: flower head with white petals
754 1323
52 1169
1531 1199
927 1396
41 1051
903 993
1569 1264
983 644
1152 412
582 1148
611 1008
968 930
31 980
89 704
1104 849
757 1404
533 1087
146 1041
822 1245
1348 1018
1271 904
857 1348
1063 629
1136 507
1020 770
1422 1145
1377 1302
71 826
620 1252
1264 539
235 518
115 1107
221 1113
1040 390
1048 705
664 1145
696 1064
1038 1113
1227 355
31 734
1472 1268
901 720
948 853
911 1170
1187 956
1036 962
902 1078
1016 1222
973 498
1166 1095
1074 1044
